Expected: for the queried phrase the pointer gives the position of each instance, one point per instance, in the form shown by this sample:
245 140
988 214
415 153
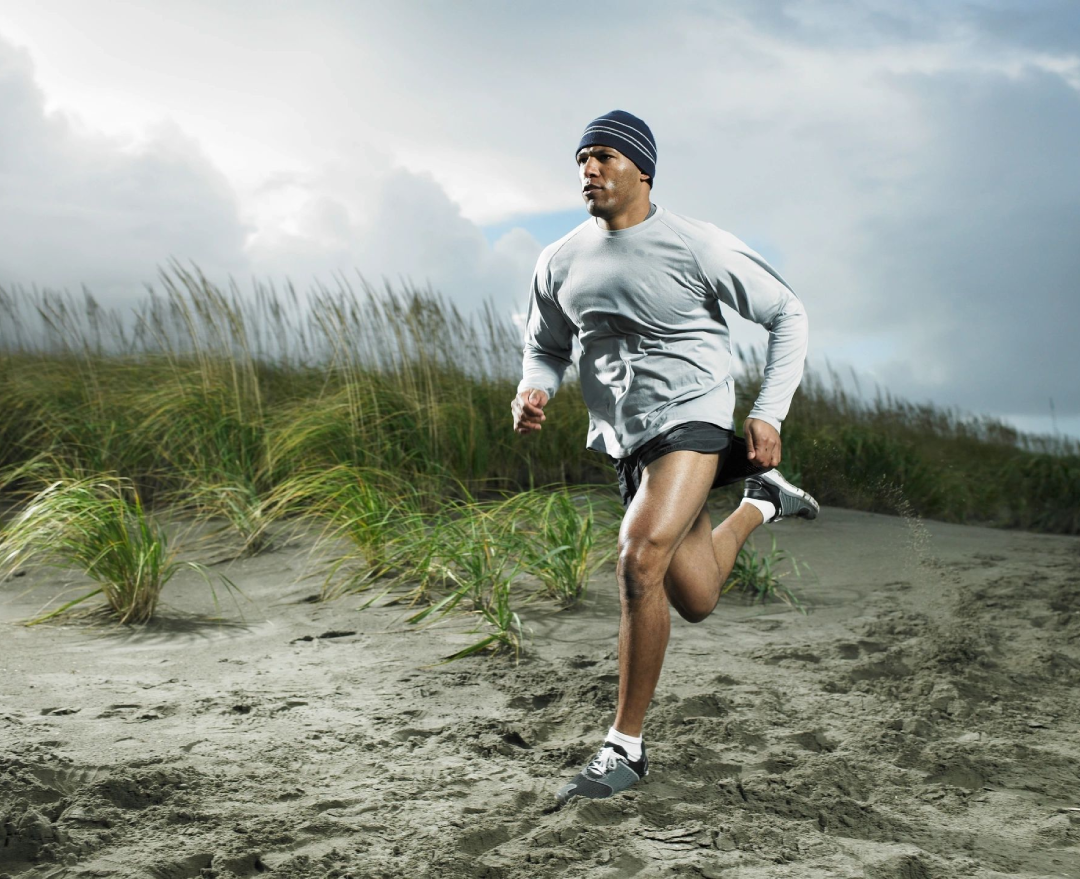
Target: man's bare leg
665 510
703 561
668 551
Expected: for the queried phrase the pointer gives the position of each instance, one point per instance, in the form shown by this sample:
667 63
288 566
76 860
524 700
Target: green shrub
100 527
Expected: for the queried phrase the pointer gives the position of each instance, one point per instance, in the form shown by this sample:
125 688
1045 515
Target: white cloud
909 165
395 224
80 208
85 208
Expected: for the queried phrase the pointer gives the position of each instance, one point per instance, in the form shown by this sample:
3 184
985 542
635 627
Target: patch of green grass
561 529
470 554
247 514
479 551
374 511
100 527
761 576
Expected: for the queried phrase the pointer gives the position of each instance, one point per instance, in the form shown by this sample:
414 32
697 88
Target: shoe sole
810 507
569 791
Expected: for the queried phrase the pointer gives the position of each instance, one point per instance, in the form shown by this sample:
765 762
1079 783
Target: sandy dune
921 721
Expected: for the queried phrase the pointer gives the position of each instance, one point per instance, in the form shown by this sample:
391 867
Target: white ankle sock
631 745
767 508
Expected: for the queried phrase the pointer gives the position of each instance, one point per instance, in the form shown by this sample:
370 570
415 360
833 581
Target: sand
920 721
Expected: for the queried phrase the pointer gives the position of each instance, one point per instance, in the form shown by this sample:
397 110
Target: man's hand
528 409
762 442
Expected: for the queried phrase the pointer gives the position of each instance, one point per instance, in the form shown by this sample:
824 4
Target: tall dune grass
881 453
218 396
385 413
200 385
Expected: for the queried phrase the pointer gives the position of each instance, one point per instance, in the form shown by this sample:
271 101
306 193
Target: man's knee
642 564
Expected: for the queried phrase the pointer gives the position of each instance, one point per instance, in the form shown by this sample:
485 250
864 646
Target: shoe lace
605 760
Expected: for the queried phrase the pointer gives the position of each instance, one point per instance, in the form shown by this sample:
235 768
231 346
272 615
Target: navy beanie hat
626 133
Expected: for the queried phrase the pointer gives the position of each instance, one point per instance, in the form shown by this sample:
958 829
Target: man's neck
637 213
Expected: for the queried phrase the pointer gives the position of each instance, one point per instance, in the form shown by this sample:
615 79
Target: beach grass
765 576
99 526
384 414
376 514
222 395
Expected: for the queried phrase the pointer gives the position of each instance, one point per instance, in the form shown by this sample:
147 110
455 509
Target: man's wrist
768 419
535 386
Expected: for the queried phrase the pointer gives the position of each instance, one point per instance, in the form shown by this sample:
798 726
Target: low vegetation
766 576
98 526
384 414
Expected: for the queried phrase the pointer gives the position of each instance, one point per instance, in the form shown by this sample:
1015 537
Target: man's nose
591 167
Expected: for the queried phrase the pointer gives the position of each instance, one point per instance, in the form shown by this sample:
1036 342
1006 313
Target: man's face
609 180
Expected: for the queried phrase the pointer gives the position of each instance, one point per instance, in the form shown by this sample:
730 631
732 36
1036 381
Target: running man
641 288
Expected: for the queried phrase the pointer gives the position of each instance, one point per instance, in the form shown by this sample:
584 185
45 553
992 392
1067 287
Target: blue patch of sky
1062 427
767 249
868 350
545 228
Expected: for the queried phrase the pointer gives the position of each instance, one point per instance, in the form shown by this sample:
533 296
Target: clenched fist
528 409
762 442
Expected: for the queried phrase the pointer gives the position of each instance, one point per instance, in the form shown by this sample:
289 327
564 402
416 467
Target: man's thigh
673 492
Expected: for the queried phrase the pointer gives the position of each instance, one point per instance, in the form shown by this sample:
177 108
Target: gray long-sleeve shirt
644 303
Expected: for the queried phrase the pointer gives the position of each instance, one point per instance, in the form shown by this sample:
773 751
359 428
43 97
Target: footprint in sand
704 706
534 703
812 740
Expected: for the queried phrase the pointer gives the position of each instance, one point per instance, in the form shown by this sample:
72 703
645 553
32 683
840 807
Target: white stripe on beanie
627 133
631 135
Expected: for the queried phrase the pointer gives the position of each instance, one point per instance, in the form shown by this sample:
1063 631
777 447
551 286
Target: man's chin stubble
594 209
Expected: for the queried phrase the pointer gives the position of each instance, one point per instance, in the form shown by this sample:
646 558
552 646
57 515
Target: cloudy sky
910 166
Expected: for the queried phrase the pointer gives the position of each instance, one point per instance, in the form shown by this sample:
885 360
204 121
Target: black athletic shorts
695 436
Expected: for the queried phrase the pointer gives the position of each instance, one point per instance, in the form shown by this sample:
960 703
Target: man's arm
548 343
745 282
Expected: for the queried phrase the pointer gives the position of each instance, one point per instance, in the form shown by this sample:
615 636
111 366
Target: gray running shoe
788 500
609 772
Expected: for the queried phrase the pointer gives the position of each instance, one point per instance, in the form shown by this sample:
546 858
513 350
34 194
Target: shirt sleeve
548 340
744 281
